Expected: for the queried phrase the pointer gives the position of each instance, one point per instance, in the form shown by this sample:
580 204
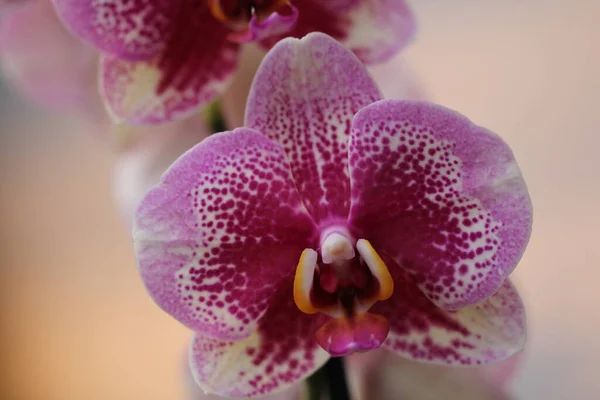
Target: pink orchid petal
274 24
132 30
139 168
194 392
187 75
379 29
217 236
443 197
281 352
9 6
490 331
46 63
304 96
133 93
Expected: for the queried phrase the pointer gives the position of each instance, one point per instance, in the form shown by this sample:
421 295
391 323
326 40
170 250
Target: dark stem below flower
331 379
336 379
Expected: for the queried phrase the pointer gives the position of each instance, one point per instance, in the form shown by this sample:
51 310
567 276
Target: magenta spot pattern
440 199
296 106
479 334
421 178
129 29
232 228
280 353
196 54
446 240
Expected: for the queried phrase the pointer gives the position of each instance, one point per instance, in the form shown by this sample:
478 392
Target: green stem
336 379
316 385
331 380
215 118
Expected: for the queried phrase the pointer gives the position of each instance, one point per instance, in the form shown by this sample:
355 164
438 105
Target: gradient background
77 324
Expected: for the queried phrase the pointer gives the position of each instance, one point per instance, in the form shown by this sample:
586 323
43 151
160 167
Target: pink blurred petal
377 375
378 29
9 6
221 232
461 216
163 59
303 102
45 63
173 85
281 352
130 29
140 167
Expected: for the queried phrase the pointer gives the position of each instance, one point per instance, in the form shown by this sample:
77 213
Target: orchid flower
163 59
334 222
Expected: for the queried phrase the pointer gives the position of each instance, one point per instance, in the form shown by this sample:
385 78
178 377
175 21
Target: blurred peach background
77 324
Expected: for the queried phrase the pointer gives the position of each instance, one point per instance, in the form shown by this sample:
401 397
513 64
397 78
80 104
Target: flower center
237 13
344 286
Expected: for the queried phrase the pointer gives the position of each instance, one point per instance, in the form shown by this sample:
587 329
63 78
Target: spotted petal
170 87
220 232
484 333
132 30
279 353
304 96
440 195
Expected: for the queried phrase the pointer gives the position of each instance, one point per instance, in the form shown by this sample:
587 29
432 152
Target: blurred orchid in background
161 60
45 63
9 6
337 221
381 375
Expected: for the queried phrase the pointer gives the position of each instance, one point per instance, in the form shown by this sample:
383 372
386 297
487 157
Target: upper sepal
304 96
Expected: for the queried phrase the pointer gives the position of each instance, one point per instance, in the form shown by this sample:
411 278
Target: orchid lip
338 283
